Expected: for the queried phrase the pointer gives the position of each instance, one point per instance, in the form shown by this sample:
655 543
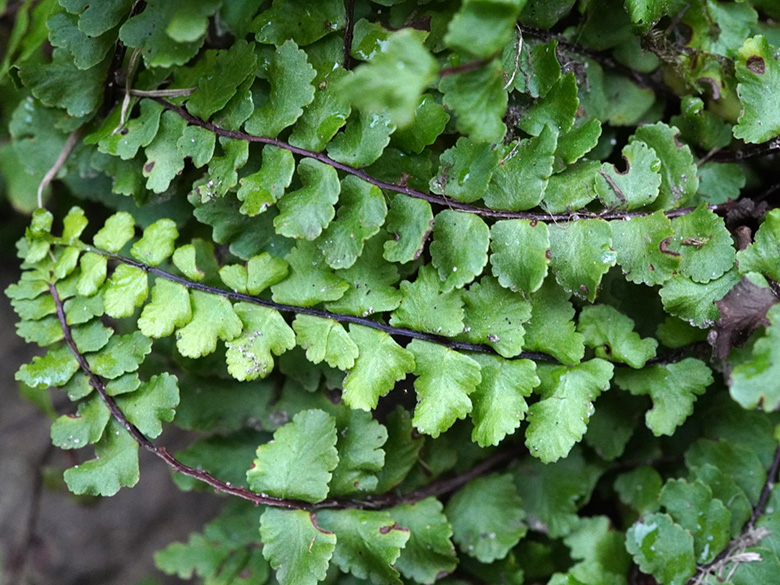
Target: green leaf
401 451
761 255
478 99
325 339
122 354
673 389
223 170
62 84
612 337
222 72
265 331
445 378
213 318
197 144
300 20
483 27
645 13
456 263
326 114
156 244
430 120
371 279
425 307
93 273
168 309
115 465
581 254
410 222
692 506
641 245
637 186
95 19
662 548
304 213
679 177
367 543
361 456
521 254
125 291
152 404
135 133
53 369
168 33
701 126
298 462
494 316
753 382
579 141
87 51
394 78
79 309
553 492
551 327
520 180
361 213
758 73
381 362
364 139
738 462
184 260
77 431
499 399
465 170
163 160
559 419
704 244
694 302
487 517
558 108
295 546
639 488
115 233
571 189
429 551
310 281
290 76
225 552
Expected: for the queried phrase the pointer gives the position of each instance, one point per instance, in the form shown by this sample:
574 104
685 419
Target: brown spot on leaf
148 167
664 249
548 254
742 311
714 87
396 526
756 64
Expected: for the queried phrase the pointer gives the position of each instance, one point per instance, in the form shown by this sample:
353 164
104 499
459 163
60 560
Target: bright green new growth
437 283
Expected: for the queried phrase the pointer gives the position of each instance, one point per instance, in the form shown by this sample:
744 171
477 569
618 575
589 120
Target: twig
431 198
67 148
749 151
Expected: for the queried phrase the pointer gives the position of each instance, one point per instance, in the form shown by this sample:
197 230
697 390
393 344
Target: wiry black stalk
417 194
341 317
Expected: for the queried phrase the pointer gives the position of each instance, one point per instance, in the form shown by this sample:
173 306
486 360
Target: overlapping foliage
436 279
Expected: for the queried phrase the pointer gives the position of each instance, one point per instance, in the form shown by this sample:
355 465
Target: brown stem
379 502
431 198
